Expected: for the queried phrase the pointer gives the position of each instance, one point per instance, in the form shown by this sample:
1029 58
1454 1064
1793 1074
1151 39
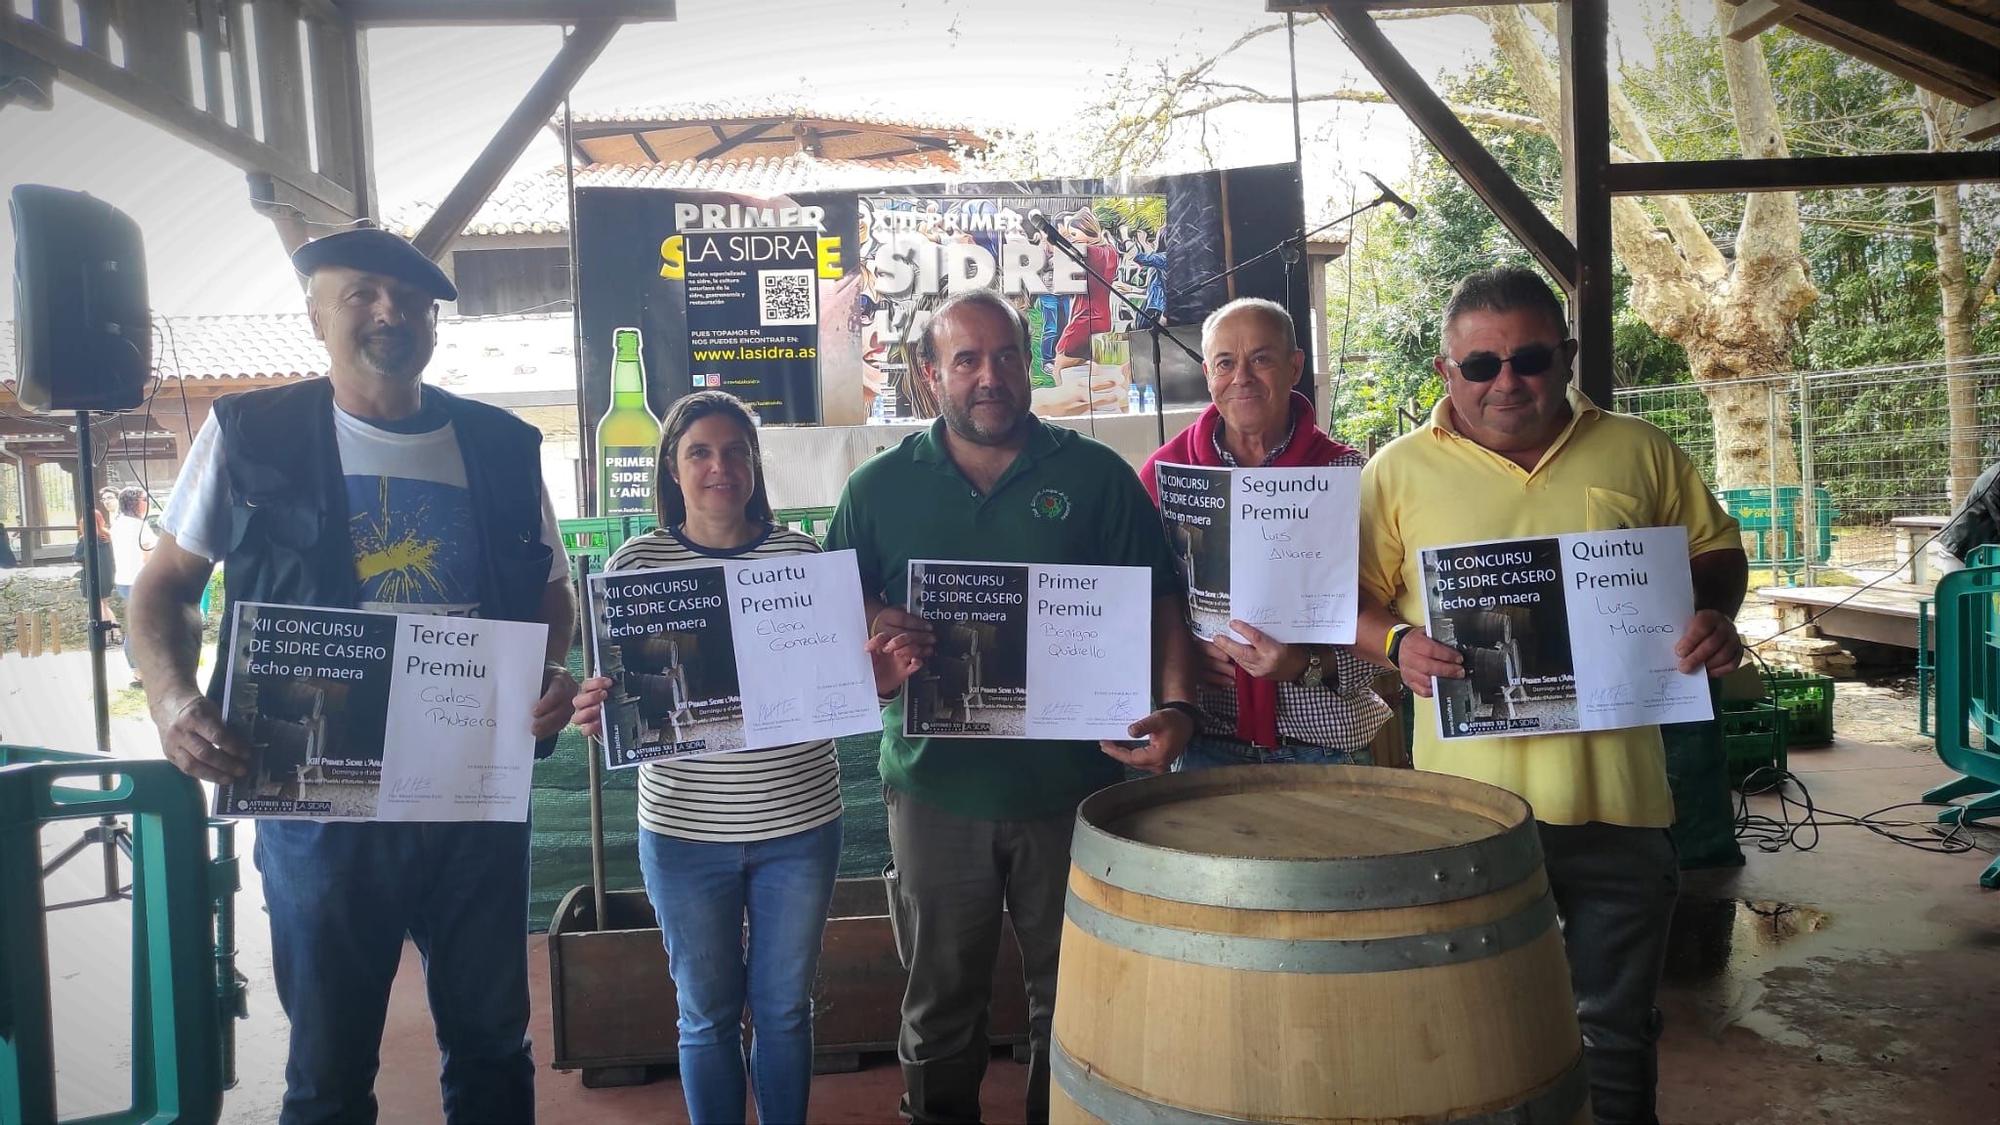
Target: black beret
375 251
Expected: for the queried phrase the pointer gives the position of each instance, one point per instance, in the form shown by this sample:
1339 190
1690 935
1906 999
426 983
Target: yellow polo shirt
1434 487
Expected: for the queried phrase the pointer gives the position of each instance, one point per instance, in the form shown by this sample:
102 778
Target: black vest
288 539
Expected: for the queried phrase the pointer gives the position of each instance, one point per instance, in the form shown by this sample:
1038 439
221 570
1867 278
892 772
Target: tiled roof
739 108
250 346
475 355
237 347
535 204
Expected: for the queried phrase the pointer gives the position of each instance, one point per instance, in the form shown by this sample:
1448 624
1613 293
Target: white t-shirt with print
131 538
410 516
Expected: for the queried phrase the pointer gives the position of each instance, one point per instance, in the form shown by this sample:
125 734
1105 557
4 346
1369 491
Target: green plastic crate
182 990
598 536
1753 736
1808 703
812 521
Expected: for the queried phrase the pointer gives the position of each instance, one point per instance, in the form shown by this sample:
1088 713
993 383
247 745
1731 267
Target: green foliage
1870 253
1404 271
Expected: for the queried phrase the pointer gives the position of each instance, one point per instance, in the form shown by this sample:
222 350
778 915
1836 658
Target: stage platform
1884 614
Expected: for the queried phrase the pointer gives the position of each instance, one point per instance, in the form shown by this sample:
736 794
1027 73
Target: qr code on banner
787 297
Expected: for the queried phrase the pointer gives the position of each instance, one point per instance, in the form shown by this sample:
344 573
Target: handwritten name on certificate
800 628
356 715
1027 650
740 654
1277 549
1570 632
1631 597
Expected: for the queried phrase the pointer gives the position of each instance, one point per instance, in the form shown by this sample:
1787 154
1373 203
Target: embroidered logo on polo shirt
1050 504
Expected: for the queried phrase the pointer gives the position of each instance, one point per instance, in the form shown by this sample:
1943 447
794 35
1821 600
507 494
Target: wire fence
1817 466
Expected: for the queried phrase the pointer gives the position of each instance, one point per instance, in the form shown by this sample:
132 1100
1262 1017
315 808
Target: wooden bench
1912 533
1885 614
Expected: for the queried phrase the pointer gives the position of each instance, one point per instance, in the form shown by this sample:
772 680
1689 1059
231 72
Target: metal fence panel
1876 440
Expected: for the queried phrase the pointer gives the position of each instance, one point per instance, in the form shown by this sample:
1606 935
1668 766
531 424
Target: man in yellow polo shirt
1513 450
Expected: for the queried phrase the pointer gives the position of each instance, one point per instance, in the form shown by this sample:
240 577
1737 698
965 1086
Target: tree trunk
1955 325
1734 319
1752 417
1962 399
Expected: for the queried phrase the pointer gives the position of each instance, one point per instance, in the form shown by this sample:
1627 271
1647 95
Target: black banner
753 319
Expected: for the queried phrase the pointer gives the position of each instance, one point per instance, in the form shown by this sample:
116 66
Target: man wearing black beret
369 490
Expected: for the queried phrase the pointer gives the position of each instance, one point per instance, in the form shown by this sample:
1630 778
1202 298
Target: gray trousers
953 876
1615 888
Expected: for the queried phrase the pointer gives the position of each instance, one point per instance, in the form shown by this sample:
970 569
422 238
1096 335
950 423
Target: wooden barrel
1312 944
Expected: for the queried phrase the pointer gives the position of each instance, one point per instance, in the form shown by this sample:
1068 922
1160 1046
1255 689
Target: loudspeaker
83 334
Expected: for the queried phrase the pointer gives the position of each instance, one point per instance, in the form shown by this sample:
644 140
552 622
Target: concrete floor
1852 983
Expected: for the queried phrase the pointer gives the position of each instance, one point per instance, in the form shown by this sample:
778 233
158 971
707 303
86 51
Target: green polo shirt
1065 499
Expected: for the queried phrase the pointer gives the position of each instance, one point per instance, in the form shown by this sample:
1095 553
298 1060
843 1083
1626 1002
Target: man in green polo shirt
975 824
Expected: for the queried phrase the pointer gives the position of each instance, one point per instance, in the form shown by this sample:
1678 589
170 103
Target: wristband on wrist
1193 712
1394 647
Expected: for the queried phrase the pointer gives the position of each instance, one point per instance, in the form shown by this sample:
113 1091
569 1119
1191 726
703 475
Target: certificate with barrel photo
1568 632
1277 549
1030 650
710 658
352 715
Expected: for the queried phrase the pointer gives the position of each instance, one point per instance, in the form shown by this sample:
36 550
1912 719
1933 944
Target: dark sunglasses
1528 361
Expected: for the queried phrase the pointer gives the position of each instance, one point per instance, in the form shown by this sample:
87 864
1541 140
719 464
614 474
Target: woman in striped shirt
755 832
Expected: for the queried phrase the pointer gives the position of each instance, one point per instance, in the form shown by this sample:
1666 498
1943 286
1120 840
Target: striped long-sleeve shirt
750 794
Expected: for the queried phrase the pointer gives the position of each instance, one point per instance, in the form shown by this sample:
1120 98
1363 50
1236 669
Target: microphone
1042 222
1409 211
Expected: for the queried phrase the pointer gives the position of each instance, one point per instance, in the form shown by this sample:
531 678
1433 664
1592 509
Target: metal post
1775 549
1808 490
93 582
228 991
93 591
594 749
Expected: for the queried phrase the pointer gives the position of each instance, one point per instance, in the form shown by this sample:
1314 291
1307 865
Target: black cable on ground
1798 821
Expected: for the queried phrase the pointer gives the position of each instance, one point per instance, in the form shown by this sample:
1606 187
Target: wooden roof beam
1803 173
459 13
1313 7
726 142
1906 35
1583 30
146 98
1984 28
25 80
1439 125
1754 17
1982 121
579 50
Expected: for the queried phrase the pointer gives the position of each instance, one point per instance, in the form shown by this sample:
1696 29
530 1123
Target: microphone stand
1146 317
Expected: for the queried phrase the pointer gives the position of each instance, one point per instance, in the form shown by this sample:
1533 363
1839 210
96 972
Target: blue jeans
1206 752
125 595
1053 307
701 893
341 898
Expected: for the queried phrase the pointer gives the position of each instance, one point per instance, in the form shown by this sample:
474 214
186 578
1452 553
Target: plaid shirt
1229 459
1343 713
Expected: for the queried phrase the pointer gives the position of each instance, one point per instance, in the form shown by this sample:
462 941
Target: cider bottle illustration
628 436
